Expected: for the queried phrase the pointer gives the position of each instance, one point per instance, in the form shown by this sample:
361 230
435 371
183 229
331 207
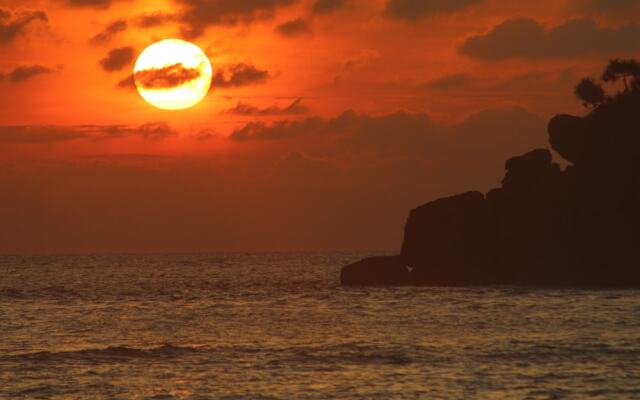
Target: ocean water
279 326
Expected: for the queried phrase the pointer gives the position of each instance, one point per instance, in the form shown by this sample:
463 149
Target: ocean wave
342 354
54 291
567 352
108 354
311 356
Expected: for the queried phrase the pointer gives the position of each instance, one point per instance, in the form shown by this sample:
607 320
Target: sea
280 326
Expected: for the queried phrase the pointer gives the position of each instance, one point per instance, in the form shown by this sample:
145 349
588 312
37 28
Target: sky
327 121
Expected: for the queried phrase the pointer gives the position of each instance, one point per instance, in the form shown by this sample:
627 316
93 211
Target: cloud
127 83
483 135
413 10
400 150
158 130
11 28
527 38
166 78
535 81
361 58
27 72
450 82
610 7
89 3
239 75
48 134
327 6
154 19
294 28
205 134
243 109
197 15
38 134
155 131
117 59
109 32
347 130
279 130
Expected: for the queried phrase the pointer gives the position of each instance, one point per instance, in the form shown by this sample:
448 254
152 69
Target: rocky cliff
544 225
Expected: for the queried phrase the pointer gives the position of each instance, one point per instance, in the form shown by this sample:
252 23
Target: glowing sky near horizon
341 114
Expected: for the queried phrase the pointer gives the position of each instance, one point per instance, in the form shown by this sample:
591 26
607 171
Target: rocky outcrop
376 271
543 226
566 137
449 241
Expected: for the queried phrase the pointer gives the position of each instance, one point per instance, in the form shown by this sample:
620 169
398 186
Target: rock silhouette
447 241
544 226
376 271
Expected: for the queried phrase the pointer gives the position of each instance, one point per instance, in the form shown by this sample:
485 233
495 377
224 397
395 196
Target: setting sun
173 74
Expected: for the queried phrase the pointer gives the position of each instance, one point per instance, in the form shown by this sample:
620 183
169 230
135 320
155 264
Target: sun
173 74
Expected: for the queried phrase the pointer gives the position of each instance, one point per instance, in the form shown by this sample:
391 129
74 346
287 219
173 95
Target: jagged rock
449 241
532 168
376 271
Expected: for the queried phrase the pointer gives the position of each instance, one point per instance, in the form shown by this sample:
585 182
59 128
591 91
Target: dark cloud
128 157
155 130
295 108
127 83
360 59
526 38
38 134
11 28
450 82
200 14
473 150
109 32
293 28
117 59
413 10
206 134
238 75
165 78
327 6
535 81
154 19
27 72
279 130
89 3
612 7
415 133
362 130
43 134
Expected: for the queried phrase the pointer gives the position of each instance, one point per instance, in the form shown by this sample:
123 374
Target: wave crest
109 354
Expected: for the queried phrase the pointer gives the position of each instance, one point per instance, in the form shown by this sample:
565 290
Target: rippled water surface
279 326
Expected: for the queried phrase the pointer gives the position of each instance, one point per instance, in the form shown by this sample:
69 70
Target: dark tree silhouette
625 69
590 93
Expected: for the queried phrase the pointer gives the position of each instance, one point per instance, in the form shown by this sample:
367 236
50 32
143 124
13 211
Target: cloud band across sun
168 77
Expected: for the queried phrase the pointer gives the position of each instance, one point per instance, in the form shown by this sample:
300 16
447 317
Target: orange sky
340 116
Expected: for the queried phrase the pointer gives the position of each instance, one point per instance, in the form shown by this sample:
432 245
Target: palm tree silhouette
624 69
